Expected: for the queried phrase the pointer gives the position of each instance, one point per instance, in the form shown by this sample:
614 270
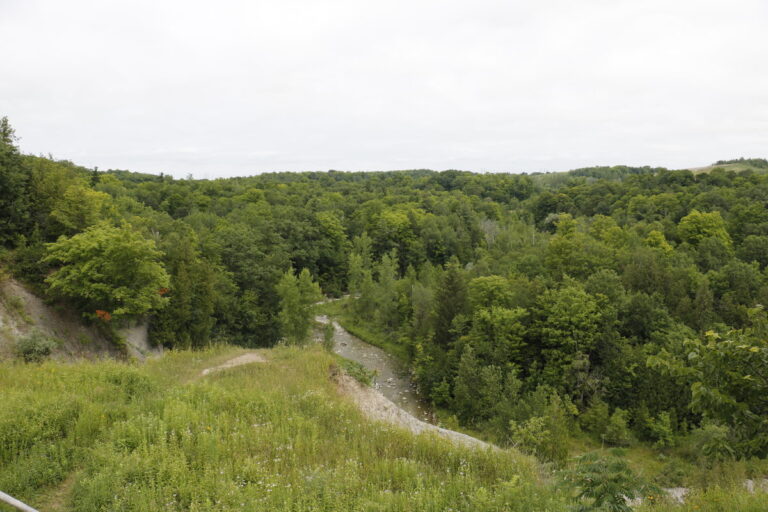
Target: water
392 378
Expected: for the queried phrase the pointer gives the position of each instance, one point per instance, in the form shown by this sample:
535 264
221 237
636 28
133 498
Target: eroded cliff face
22 313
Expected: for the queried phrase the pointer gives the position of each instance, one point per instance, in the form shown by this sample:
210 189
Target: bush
713 441
605 483
35 347
357 371
595 418
617 433
661 430
328 332
545 436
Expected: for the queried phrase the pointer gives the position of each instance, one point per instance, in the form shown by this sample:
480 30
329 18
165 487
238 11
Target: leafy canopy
108 268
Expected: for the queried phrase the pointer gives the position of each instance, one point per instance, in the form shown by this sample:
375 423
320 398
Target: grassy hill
104 435
161 435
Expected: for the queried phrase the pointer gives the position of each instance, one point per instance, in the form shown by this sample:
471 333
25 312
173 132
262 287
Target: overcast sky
225 87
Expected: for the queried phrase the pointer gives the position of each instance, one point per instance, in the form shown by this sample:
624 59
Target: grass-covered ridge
273 436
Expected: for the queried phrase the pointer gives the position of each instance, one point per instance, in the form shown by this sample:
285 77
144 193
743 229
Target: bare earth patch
250 357
377 407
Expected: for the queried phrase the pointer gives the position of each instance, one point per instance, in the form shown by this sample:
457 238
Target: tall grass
273 436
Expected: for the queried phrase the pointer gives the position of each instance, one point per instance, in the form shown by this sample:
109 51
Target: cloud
238 87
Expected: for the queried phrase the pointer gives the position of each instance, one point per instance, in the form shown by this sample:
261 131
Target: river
392 377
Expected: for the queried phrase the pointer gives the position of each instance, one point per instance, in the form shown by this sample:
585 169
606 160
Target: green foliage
583 284
617 431
14 203
297 297
34 347
357 371
595 418
605 483
567 325
328 334
81 207
696 227
276 437
713 442
197 292
545 435
662 430
108 268
727 378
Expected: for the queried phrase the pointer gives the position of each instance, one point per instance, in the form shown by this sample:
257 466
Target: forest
617 306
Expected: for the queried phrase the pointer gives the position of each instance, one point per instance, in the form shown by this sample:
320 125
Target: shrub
713 442
605 483
545 436
661 430
617 432
328 332
35 347
595 418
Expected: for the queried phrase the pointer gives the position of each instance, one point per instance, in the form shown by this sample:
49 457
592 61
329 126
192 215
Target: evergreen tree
450 303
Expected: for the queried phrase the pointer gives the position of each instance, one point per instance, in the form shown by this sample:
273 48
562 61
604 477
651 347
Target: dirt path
58 497
250 357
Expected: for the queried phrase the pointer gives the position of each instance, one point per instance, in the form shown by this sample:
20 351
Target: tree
188 319
488 291
297 295
386 293
14 200
108 268
728 379
498 334
80 207
450 302
567 324
697 226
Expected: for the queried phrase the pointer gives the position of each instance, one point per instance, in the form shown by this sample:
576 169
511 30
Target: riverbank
337 309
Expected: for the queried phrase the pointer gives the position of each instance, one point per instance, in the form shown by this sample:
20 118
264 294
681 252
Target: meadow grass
159 436
273 436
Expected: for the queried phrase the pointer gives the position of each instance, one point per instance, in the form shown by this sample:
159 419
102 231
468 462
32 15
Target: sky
233 88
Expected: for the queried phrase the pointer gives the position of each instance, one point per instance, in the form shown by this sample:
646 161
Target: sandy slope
377 407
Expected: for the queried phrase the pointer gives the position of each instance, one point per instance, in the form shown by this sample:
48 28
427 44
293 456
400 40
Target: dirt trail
250 357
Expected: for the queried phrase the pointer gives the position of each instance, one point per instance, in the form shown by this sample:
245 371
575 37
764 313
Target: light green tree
80 207
297 296
698 226
108 268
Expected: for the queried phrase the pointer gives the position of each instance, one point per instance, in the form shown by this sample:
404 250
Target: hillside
23 313
278 435
223 430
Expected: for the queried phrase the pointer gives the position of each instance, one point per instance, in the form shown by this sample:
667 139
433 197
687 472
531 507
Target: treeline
760 163
204 259
622 301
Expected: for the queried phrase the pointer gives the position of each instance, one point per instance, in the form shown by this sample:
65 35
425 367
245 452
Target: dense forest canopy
627 301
